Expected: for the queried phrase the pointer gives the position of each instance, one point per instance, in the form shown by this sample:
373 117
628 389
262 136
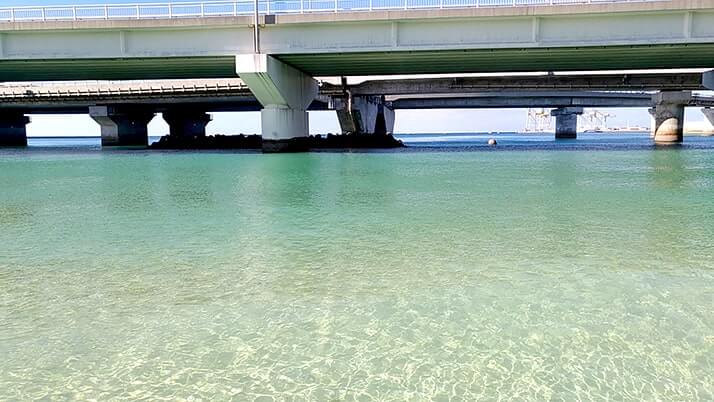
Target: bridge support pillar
184 123
285 94
364 115
669 116
122 127
13 129
566 122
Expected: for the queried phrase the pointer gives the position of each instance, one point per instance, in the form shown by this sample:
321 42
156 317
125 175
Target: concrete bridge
123 109
198 96
608 35
277 53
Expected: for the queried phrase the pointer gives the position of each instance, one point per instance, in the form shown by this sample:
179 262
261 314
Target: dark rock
209 142
282 146
330 141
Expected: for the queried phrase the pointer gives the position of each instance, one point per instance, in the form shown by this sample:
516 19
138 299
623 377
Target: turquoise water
536 272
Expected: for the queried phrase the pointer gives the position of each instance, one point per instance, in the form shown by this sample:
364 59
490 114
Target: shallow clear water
526 274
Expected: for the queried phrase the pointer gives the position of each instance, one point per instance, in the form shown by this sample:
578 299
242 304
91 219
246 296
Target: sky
407 121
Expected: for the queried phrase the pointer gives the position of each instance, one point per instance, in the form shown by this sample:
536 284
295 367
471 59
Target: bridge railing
246 7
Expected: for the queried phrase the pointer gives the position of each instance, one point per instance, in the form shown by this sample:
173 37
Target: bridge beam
186 123
566 122
364 115
13 129
122 126
285 94
669 116
708 79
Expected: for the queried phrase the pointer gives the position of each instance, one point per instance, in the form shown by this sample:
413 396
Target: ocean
448 270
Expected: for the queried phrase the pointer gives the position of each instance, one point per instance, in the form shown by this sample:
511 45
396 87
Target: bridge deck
214 9
597 36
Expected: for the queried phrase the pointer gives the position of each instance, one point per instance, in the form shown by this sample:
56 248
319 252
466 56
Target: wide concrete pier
122 126
13 131
566 122
364 115
187 123
285 94
669 116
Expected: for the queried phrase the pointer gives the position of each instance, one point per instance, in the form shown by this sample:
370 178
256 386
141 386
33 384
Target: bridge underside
659 56
506 60
135 68
225 104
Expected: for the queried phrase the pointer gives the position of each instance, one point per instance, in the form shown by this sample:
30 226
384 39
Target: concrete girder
560 82
164 93
708 79
521 99
122 126
13 129
285 94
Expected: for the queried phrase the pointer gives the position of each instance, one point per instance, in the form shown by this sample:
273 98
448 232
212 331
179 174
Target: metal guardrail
246 7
